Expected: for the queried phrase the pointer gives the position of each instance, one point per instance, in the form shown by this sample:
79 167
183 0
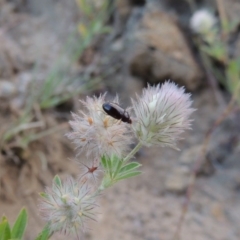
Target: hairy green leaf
130 166
43 195
104 162
5 231
57 181
117 168
127 175
45 234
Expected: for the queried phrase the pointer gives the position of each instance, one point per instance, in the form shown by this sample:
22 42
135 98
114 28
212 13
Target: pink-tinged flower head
67 206
162 114
96 133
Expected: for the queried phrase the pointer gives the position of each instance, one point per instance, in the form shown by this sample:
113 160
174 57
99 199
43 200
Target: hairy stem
133 152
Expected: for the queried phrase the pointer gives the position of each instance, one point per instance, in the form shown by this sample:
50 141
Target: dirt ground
147 207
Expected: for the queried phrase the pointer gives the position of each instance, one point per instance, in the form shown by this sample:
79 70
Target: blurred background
53 53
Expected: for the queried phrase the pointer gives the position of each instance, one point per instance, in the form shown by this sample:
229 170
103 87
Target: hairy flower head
162 114
67 206
96 133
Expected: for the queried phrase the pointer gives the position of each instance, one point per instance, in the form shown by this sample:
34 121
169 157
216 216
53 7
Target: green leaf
85 7
5 231
109 166
130 167
115 163
4 218
106 30
45 234
43 195
20 224
104 162
115 171
217 51
97 27
57 181
106 182
127 175
233 75
117 168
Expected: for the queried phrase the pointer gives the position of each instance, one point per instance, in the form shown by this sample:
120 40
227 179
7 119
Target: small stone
160 51
178 180
191 157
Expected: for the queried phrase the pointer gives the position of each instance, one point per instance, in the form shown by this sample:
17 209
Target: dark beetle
115 111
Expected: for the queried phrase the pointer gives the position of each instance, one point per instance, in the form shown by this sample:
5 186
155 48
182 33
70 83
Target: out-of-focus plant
213 41
16 232
58 87
94 14
18 229
24 124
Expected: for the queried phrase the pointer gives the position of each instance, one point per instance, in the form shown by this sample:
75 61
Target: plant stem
133 152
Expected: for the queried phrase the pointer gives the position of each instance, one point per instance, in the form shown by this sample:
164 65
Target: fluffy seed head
67 207
96 133
162 114
202 21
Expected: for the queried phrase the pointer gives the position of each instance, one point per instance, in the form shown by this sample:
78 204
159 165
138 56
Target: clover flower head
202 21
67 206
96 133
162 114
